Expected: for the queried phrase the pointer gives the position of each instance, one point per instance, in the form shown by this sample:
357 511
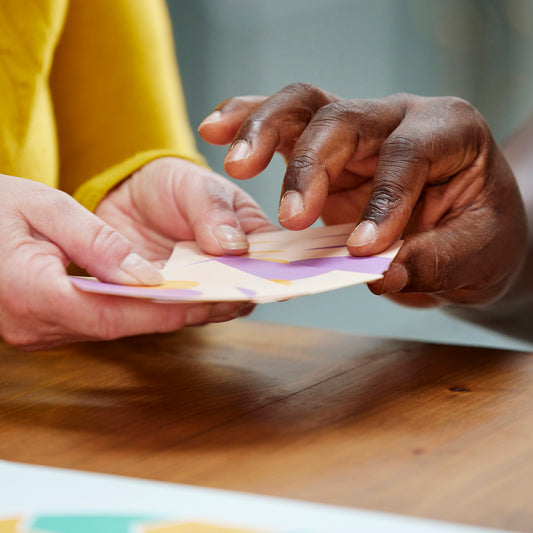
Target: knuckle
471 123
398 149
385 199
51 201
253 123
107 240
309 98
444 113
302 162
218 197
261 123
357 114
301 88
458 105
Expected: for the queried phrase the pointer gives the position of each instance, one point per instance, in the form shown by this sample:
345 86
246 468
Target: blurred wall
480 50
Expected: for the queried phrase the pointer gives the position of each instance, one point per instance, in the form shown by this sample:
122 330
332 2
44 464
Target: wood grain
434 431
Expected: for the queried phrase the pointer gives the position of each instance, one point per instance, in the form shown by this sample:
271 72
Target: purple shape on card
249 292
93 285
305 268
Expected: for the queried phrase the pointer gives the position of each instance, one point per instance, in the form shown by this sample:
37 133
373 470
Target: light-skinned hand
43 230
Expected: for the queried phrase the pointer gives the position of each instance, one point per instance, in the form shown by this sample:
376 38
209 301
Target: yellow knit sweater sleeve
29 32
116 94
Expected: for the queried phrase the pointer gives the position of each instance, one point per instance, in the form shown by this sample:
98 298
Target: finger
194 203
40 307
89 242
224 219
223 123
211 212
274 125
339 133
225 311
437 142
401 174
58 313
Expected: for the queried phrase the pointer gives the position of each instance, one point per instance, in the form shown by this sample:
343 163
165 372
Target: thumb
92 244
447 264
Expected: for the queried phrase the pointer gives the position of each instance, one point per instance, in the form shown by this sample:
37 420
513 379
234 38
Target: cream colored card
279 265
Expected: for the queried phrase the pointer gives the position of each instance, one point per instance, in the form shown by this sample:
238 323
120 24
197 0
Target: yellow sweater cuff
90 193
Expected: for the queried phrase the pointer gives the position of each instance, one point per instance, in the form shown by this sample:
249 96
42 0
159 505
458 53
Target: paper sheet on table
36 499
279 265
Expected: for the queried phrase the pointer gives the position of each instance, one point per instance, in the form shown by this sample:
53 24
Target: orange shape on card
10 526
174 284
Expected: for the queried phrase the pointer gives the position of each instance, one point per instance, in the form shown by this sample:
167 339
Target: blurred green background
480 50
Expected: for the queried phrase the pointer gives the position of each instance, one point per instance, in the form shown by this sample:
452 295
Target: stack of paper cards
279 265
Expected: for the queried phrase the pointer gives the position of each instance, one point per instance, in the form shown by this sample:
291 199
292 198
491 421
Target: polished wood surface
434 431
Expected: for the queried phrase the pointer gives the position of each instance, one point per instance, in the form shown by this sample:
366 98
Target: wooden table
433 431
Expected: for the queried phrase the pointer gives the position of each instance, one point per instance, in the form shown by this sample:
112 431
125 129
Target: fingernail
197 314
291 205
239 150
230 238
396 278
364 234
140 270
215 116
222 311
244 309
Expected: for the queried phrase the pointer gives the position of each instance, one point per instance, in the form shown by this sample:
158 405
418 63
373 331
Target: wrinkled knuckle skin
297 170
384 199
106 240
402 149
359 115
341 112
301 162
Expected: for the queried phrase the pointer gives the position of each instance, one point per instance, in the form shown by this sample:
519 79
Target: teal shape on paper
89 523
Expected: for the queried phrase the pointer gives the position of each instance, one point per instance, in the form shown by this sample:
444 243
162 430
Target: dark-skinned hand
426 170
